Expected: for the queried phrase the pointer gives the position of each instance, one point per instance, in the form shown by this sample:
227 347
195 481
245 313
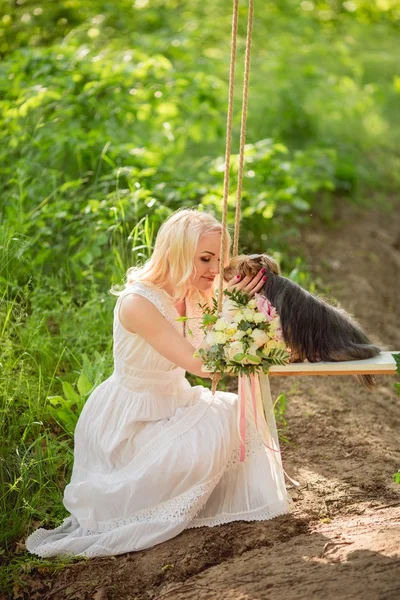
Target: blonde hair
174 252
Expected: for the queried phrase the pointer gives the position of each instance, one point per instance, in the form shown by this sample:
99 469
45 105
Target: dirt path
342 540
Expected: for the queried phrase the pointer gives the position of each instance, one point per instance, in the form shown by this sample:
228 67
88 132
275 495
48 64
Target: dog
311 328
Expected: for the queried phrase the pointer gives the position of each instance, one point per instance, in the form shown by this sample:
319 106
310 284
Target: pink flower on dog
264 306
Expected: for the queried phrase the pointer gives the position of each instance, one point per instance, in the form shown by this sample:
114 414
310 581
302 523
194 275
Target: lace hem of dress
35 539
264 513
178 510
261 514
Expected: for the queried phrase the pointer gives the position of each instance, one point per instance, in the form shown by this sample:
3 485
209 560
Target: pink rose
264 306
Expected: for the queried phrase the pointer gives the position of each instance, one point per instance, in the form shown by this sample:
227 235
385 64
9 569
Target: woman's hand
248 284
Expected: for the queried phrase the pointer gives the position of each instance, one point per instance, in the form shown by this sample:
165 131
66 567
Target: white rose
273 326
215 337
252 349
248 314
228 310
260 337
259 318
239 316
220 325
231 329
232 350
271 344
220 337
229 306
239 334
210 338
252 304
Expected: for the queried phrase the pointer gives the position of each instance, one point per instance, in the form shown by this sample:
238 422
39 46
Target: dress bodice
131 351
154 384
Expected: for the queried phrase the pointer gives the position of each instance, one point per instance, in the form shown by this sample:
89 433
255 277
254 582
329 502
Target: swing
383 363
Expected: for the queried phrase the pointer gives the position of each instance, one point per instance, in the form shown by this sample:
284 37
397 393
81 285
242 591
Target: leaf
70 393
56 400
65 418
209 319
86 365
84 385
397 360
254 359
396 477
239 357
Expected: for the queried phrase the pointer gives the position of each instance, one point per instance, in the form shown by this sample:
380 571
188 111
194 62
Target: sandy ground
342 539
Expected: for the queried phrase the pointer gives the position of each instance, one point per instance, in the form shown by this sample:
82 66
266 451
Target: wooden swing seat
382 364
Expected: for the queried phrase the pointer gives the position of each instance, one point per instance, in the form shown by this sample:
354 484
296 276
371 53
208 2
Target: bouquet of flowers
245 338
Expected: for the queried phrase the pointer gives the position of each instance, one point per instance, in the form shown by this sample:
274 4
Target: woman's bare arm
139 315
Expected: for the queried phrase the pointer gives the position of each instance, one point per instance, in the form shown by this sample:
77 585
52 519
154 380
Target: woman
154 455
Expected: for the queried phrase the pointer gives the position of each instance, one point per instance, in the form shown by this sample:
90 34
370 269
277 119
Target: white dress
154 455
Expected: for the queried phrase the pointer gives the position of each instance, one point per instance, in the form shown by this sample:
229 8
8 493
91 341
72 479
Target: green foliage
239 297
113 115
66 409
397 360
280 407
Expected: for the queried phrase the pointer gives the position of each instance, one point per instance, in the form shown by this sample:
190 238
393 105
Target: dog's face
250 265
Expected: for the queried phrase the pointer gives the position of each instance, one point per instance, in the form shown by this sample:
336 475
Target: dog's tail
361 352
368 381
367 351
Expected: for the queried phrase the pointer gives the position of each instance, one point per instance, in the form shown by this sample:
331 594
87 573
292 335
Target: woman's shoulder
157 296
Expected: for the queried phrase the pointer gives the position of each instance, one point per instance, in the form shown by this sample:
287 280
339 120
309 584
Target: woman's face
206 261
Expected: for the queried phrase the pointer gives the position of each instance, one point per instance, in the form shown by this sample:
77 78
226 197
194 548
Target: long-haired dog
312 328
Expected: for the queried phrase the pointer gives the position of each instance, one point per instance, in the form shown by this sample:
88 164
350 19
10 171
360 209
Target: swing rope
229 135
224 240
243 125
228 148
